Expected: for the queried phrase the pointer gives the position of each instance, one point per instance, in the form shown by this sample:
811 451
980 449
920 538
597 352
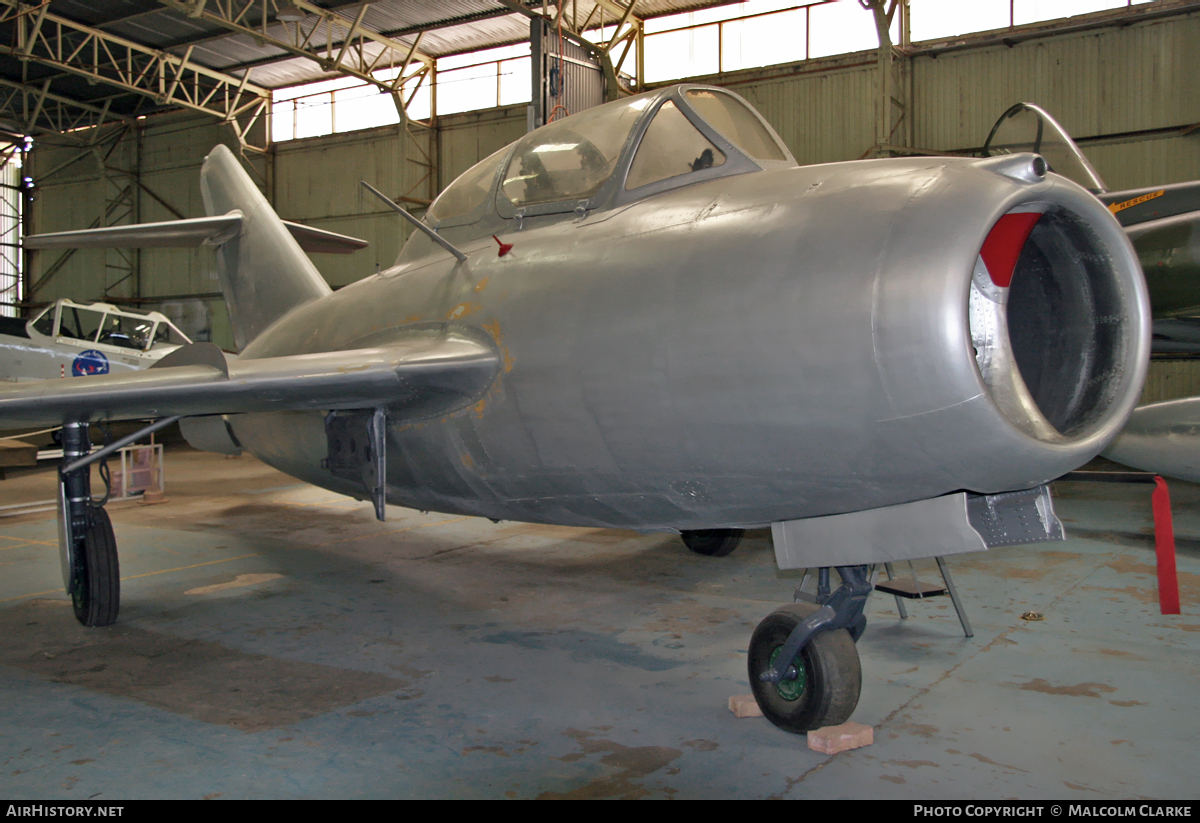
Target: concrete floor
276 641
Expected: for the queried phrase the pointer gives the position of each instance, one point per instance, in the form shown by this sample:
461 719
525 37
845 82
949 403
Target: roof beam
334 42
37 110
100 57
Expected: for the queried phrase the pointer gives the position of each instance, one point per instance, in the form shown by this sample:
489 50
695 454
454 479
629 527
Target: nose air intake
1049 323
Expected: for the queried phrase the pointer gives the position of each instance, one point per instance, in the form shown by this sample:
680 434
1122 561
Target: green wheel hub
791 689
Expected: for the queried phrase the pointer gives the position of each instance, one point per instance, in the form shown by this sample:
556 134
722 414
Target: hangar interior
276 641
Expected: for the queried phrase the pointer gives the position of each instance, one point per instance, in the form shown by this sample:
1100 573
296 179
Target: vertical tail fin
264 272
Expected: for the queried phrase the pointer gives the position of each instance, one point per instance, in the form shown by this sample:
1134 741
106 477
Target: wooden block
152 496
834 739
17 453
744 705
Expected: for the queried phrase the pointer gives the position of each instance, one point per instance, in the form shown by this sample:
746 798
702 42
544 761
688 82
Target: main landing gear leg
91 573
87 548
803 665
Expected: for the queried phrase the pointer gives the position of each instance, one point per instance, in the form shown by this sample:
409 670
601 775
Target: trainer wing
423 376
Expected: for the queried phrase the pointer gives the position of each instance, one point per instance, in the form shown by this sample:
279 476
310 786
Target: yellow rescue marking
238 582
1116 207
482 284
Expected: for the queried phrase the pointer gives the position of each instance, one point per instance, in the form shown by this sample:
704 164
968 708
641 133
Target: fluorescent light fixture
289 12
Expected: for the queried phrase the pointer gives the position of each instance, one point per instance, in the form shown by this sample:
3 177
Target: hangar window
571 158
469 191
670 147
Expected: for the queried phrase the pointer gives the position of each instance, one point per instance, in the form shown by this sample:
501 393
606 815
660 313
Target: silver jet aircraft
647 316
1164 224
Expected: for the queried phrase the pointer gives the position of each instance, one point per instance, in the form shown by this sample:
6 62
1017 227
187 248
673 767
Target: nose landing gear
803 663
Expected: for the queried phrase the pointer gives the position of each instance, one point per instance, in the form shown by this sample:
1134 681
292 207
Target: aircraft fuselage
736 352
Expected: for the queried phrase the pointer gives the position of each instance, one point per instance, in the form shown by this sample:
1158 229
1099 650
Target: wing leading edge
420 376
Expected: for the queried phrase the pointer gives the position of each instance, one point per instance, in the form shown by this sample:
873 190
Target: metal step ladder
913 589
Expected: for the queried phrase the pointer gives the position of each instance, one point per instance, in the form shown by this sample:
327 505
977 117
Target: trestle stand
803 665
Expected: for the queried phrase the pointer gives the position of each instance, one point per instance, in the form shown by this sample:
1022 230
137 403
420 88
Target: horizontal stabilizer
170 234
423 376
320 241
195 231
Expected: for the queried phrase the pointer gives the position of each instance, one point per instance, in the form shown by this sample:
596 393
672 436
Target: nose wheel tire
829 675
713 542
97 594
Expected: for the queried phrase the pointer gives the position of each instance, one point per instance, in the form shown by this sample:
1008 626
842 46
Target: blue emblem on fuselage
90 362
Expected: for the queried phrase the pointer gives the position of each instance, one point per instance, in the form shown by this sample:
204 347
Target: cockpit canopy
103 323
608 156
1026 127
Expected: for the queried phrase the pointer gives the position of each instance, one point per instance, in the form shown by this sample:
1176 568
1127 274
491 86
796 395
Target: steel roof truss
336 43
98 56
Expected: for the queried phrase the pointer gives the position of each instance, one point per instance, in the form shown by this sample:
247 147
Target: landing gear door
357 451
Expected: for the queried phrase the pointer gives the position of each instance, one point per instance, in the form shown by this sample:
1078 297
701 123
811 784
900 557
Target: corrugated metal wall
1108 81
1139 77
822 116
1169 379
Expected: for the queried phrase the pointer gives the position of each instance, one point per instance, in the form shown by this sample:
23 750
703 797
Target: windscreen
571 158
469 191
166 334
1026 127
45 322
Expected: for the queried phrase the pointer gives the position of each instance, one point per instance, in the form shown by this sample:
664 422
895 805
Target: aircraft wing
1136 206
417 377
195 231
1163 438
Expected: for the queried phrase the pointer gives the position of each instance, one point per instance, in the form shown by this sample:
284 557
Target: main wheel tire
830 680
97 596
713 542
